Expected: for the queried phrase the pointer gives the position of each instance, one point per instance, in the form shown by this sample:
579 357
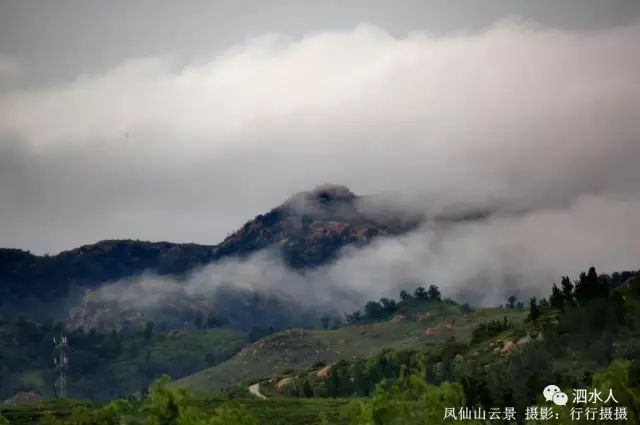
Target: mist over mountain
147 280
492 162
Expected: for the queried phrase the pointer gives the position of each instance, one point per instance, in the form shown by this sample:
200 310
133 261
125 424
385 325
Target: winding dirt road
255 390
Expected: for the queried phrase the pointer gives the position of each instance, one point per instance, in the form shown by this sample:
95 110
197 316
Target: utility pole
61 362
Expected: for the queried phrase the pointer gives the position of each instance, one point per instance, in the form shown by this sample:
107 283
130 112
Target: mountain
308 229
29 282
311 227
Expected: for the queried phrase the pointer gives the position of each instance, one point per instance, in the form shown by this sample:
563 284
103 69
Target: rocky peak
319 200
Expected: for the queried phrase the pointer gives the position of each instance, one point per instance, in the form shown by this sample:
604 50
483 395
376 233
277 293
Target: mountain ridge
309 229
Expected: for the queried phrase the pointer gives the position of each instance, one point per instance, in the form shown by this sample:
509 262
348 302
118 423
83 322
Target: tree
420 293
567 289
166 405
388 305
433 293
354 317
47 418
307 391
410 400
361 379
512 302
556 299
543 304
594 282
405 296
169 406
617 377
588 286
228 414
374 310
534 310
333 383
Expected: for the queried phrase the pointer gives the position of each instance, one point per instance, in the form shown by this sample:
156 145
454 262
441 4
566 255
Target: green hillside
419 324
106 365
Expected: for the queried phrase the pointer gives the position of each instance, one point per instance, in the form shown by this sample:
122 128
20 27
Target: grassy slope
300 349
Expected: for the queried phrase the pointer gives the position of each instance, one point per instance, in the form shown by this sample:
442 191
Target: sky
180 121
63 40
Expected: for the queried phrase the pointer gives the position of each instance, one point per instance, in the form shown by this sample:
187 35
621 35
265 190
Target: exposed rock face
280 386
439 329
507 347
324 372
423 317
311 227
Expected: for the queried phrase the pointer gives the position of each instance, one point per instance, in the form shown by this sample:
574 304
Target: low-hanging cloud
519 117
482 262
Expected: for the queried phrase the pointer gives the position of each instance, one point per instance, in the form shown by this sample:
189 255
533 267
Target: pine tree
307 391
405 296
333 383
556 298
534 310
567 289
588 286
433 293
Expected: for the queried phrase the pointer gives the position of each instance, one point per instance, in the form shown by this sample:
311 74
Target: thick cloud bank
481 262
519 117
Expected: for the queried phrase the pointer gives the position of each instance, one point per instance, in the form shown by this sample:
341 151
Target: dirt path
255 390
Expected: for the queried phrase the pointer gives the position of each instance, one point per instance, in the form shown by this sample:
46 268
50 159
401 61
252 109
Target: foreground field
282 411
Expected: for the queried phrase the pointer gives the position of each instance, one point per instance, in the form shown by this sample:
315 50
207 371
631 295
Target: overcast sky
179 121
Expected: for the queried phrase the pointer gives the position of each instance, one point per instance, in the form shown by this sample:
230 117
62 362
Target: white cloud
482 263
9 68
523 115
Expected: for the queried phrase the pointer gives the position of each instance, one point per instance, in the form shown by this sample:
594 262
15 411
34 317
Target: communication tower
61 363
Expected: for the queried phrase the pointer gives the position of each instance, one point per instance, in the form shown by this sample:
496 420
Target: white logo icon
560 399
553 393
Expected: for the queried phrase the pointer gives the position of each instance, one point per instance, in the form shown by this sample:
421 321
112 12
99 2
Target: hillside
41 279
423 324
106 365
588 339
570 335
586 336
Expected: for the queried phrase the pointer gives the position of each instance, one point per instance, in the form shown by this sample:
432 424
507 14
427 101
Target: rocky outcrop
280 386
